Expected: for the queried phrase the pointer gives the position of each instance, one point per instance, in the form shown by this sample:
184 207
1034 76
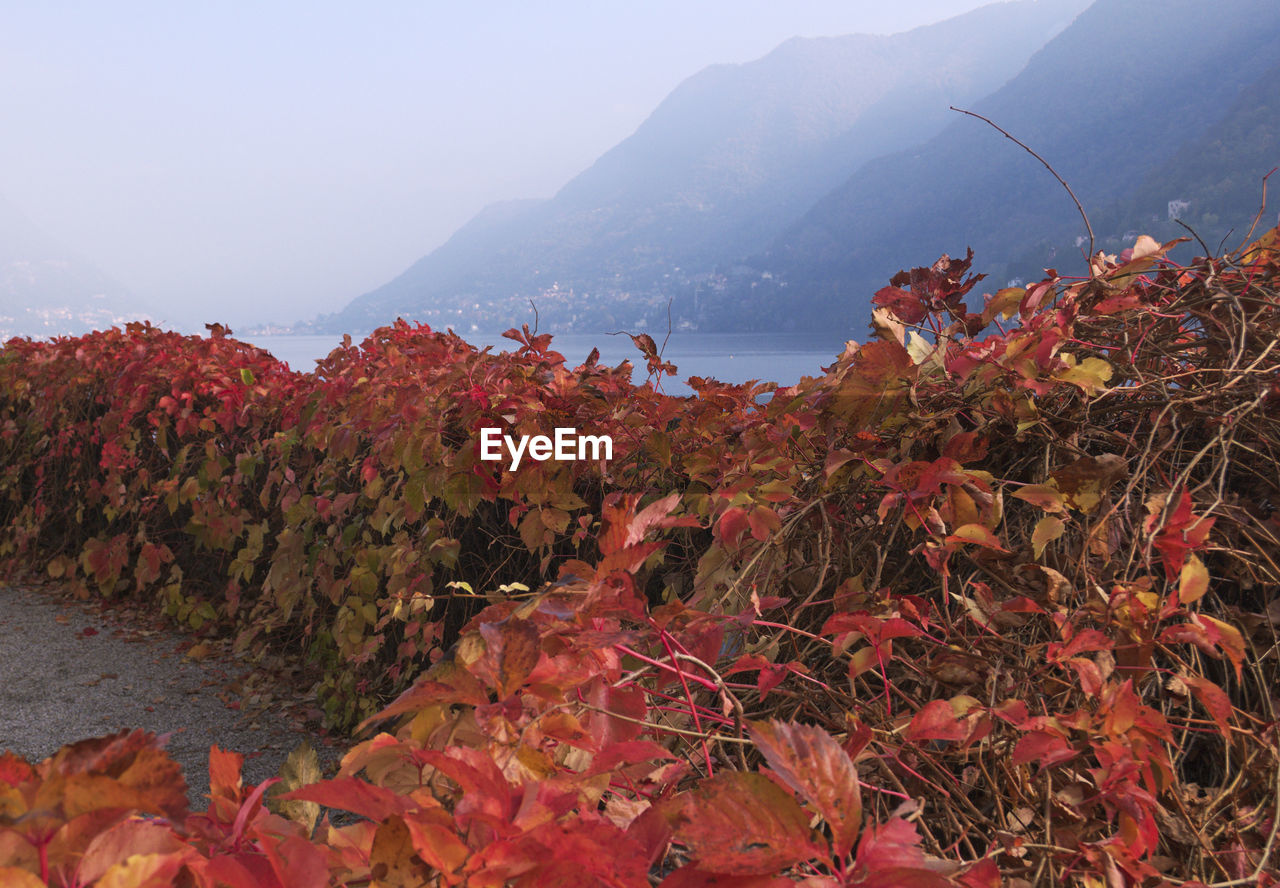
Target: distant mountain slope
1132 94
1214 182
724 163
46 291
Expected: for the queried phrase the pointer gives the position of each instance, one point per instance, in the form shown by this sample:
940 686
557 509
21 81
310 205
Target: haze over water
729 357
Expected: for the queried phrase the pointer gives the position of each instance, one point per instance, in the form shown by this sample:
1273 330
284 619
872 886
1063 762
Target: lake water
729 357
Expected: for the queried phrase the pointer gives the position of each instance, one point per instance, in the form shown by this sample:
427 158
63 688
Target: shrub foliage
993 600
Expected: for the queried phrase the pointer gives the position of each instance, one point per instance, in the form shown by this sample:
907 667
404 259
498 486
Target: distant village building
1177 208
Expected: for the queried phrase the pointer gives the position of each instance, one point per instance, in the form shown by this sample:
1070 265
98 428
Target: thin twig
1047 166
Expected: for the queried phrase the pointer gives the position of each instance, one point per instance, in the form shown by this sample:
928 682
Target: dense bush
992 598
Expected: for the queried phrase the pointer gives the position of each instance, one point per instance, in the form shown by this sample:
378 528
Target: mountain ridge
1103 108
46 290
711 175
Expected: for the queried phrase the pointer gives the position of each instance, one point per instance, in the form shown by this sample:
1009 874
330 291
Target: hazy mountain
47 291
1213 183
1136 104
731 157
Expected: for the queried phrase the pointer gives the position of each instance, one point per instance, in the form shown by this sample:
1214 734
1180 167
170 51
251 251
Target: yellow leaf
142 871
19 878
975 533
1194 582
1089 376
199 651
1047 530
302 768
861 660
1046 496
1004 303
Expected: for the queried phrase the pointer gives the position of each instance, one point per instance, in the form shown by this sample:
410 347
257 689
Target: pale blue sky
270 160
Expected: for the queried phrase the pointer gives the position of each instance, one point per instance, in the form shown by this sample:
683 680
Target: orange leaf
122 841
393 860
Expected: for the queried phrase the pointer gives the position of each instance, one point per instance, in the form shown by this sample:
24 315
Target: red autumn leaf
888 847
1034 297
770 677
1044 748
732 525
656 515
876 630
618 713
692 877
836 459
983 874
764 521
516 647
357 796
906 306
1088 673
1210 635
14 769
813 765
771 674
936 720
1182 532
965 447
903 877
628 752
1213 699
1077 643
742 824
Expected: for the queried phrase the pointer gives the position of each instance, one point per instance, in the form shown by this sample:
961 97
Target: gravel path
73 670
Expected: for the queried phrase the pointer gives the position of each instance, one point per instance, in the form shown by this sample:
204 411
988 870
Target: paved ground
72 670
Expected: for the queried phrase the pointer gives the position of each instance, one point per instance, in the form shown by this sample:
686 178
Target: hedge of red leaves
992 601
